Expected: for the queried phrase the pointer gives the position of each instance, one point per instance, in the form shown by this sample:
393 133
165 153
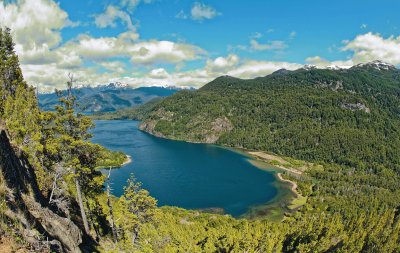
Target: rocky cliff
41 227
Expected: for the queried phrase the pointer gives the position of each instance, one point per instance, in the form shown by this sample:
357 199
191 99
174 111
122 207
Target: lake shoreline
127 161
236 184
275 208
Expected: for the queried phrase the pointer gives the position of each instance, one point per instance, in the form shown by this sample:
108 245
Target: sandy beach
128 160
270 158
294 184
282 165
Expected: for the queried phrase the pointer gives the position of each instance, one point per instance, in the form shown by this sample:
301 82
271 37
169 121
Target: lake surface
192 176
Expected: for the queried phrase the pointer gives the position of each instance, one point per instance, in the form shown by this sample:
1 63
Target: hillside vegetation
349 117
53 199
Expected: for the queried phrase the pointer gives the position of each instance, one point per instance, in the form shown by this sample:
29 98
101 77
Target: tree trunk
53 188
91 219
135 234
82 208
113 228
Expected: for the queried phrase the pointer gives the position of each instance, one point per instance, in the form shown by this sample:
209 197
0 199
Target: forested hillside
53 199
350 117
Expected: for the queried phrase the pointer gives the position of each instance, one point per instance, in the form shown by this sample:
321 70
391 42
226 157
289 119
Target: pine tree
134 208
77 154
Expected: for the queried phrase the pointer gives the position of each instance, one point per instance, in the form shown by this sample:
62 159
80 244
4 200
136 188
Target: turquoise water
192 176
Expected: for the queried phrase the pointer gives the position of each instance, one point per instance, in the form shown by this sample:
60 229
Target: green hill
347 116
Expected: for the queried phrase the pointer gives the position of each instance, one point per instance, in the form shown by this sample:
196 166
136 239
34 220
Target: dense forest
53 198
348 117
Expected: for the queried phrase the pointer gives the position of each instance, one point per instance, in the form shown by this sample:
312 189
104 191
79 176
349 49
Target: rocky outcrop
202 130
218 127
149 126
355 107
26 204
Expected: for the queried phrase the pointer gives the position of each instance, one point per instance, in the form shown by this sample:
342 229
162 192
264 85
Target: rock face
203 131
218 127
357 106
26 204
149 126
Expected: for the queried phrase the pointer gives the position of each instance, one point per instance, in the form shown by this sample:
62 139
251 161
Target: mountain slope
108 98
346 116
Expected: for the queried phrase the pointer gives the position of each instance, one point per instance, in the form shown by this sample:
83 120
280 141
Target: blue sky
188 43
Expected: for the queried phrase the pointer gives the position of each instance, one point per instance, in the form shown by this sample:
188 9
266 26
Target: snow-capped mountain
108 98
378 65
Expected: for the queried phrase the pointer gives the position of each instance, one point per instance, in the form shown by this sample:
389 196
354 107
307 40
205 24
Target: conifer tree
78 155
135 208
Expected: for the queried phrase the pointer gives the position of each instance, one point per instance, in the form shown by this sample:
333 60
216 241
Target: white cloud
143 52
323 63
132 4
46 59
150 52
113 66
252 69
292 35
35 24
111 15
273 45
222 64
368 47
365 48
159 73
201 11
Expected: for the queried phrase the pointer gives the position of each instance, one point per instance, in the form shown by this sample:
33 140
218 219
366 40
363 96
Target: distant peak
282 71
117 85
334 67
309 67
377 64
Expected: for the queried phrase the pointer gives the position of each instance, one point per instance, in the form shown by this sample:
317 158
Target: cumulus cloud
365 48
370 46
113 66
150 52
35 24
222 64
46 60
111 15
201 12
159 73
252 69
140 52
324 63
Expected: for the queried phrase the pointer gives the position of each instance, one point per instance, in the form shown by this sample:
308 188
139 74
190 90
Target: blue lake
192 176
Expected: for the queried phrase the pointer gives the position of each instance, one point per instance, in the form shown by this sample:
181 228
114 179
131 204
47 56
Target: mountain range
108 98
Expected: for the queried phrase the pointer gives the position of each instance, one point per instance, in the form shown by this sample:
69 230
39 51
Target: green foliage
348 117
346 120
134 209
110 158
